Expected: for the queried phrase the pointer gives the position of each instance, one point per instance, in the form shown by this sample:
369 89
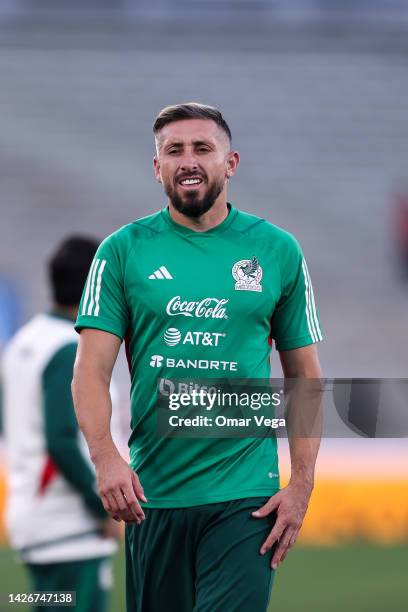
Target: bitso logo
248 274
156 361
172 337
167 386
208 308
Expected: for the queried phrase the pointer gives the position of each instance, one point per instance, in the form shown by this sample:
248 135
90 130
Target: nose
188 163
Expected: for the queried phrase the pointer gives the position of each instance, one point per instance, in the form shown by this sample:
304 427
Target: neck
66 311
213 217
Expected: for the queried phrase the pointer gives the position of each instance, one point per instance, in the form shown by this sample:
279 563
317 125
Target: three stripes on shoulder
90 302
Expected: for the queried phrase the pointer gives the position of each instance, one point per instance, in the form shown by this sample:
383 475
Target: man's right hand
119 488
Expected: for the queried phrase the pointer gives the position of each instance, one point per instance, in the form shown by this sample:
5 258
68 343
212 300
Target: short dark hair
190 110
68 268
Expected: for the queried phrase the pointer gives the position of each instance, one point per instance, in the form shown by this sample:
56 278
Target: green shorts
202 559
90 578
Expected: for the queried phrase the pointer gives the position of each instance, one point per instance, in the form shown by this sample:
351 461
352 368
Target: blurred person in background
55 518
400 227
206 522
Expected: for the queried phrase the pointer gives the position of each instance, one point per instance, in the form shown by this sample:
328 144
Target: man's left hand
290 504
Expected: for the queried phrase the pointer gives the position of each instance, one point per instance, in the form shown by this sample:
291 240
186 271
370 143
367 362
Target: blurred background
315 92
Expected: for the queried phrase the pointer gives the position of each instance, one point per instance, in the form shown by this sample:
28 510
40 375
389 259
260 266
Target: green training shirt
200 305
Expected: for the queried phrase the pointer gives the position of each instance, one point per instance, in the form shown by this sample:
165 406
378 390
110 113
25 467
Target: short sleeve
295 321
103 305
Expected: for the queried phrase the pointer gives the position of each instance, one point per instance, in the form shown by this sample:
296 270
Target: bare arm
302 363
118 485
291 502
96 356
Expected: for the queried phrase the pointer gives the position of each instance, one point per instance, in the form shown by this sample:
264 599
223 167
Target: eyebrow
196 143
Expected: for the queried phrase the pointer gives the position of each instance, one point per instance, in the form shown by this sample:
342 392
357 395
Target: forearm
303 378
303 455
304 422
93 408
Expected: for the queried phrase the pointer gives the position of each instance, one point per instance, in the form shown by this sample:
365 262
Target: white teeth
190 181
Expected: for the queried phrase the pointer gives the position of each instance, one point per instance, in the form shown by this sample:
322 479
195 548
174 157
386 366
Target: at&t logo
172 337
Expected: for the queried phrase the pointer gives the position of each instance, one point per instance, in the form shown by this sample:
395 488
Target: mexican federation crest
248 274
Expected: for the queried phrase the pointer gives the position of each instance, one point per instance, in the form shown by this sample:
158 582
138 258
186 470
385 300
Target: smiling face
193 162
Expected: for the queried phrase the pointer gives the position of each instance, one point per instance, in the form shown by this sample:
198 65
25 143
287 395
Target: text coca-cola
207 308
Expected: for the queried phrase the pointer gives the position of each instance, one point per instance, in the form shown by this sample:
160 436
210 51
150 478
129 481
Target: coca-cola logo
207 308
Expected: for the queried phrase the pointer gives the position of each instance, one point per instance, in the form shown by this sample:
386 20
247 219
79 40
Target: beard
190 203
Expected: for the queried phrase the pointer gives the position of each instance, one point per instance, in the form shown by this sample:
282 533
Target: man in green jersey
198 289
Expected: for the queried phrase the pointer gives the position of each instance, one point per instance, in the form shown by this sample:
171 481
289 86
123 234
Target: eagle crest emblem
247 274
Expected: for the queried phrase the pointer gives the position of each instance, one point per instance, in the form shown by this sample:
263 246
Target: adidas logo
161 273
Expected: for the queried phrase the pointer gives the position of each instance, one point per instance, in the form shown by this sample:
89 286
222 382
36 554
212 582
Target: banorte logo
156 361
207 308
